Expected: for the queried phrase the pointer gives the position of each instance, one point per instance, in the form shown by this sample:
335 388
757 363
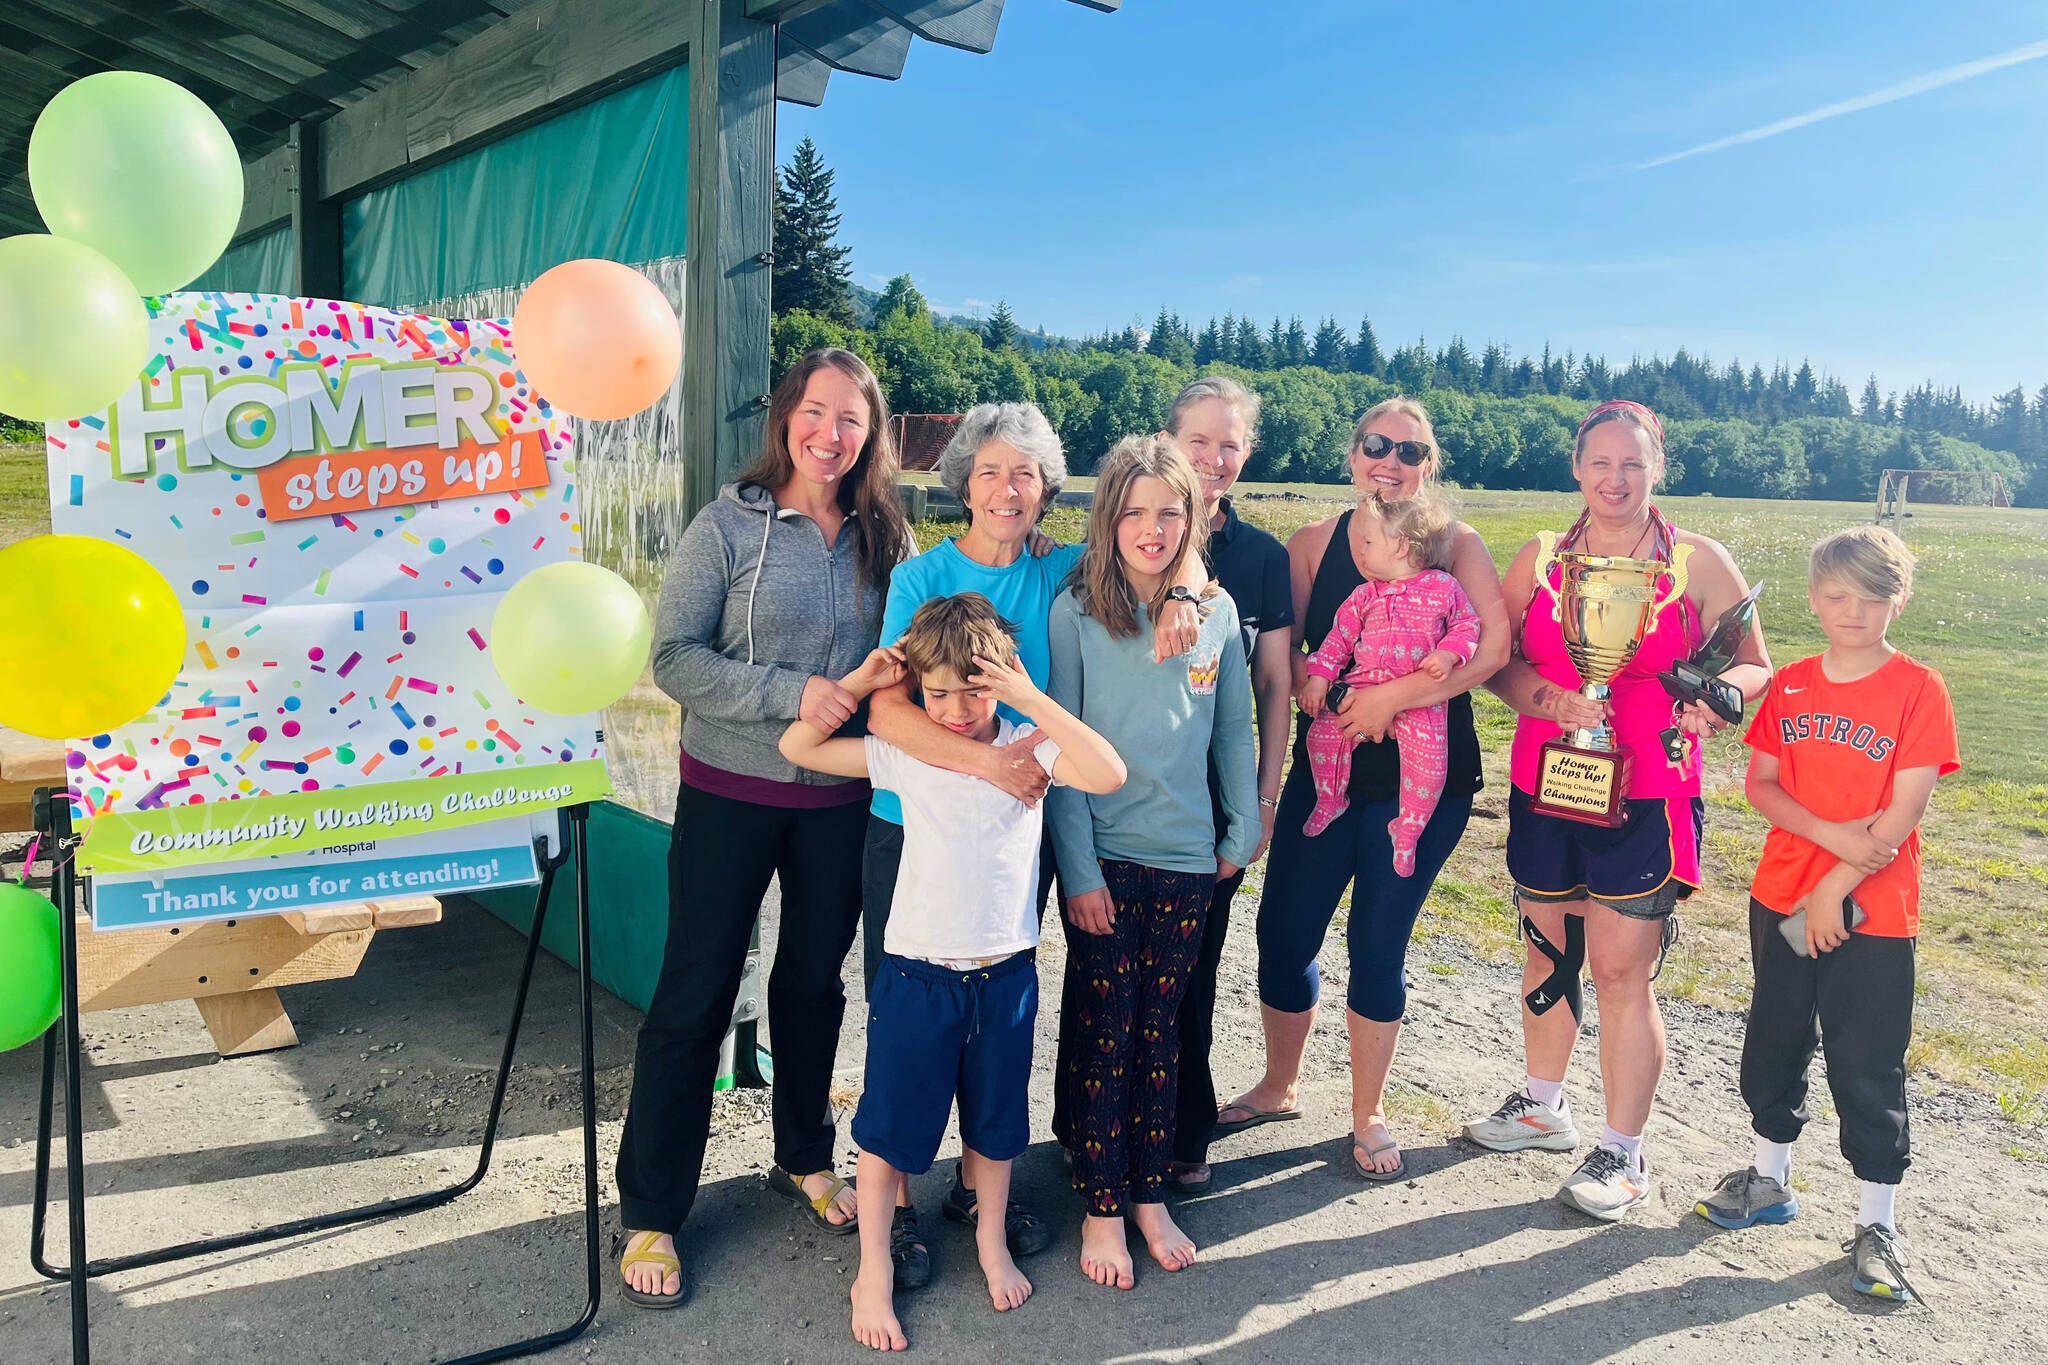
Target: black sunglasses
1377 447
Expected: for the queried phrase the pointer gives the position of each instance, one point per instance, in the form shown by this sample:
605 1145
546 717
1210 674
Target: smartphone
1794 926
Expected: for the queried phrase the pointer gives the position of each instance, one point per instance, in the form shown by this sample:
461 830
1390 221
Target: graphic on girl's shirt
1202 672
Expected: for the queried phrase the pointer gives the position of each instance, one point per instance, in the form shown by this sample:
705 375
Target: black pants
1855 1002
1195 1121
720 859
881 856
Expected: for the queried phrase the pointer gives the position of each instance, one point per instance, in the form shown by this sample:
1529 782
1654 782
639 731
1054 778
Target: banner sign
472 858
340 496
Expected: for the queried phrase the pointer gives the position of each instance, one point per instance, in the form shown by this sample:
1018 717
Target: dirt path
1471 1259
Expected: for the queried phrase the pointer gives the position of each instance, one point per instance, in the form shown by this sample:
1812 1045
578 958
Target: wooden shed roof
265 65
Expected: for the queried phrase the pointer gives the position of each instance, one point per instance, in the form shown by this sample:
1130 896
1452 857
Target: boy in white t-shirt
956 999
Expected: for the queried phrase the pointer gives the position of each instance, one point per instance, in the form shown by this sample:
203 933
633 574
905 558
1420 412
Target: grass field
1980 614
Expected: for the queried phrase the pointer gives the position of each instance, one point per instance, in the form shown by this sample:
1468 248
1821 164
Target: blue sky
1482 169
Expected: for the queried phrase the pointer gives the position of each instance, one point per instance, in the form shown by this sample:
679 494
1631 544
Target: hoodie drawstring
767 524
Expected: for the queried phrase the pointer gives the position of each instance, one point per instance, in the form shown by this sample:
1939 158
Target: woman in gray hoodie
775 590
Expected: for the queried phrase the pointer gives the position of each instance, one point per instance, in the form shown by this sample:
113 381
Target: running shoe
1879 1257
1607 1184
1745 1198
1521 1123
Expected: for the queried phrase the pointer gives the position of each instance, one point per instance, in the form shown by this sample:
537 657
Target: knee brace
1563 981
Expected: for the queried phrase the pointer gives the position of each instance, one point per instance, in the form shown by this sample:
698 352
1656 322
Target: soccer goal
1948 487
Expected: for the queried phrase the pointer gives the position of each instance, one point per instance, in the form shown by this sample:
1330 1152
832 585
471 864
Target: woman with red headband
1588 894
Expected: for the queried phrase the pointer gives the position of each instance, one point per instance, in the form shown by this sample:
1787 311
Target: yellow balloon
94 636
571 638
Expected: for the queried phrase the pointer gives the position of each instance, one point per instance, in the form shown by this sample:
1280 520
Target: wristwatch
1270 802
1181 592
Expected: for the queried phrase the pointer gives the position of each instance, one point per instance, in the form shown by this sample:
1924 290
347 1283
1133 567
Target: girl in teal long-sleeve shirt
1138 867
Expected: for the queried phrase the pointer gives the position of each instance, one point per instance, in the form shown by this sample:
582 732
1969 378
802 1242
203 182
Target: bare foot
1007 1287
1374 1148
1172 1248
649 1279
846 1205
1105 1255
874 1312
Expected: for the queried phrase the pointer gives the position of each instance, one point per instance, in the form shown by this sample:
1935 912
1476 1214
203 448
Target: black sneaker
907 1251
1026 1233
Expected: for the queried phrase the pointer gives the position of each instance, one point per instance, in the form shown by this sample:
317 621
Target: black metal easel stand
53 818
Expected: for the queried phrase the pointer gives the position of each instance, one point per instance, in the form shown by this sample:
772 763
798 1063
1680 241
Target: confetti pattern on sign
331 651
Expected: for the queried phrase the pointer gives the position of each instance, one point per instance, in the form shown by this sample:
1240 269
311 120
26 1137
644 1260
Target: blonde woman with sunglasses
1394 455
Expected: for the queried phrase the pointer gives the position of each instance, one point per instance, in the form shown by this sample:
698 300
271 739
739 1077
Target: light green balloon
571 638
139 169
73 331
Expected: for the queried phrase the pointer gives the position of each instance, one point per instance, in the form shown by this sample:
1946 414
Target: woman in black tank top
1307 876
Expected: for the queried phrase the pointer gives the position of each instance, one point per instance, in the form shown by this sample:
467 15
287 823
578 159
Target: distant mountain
864 301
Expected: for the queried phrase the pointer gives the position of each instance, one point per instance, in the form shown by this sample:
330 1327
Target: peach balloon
597 339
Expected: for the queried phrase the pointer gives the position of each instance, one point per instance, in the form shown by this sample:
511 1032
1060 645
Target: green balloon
139 169
571 638
73 331
30 967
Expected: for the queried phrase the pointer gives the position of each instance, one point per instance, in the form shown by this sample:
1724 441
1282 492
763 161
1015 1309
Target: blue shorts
934 1035
1641 869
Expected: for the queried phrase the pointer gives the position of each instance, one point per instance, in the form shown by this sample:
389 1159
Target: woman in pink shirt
1590 895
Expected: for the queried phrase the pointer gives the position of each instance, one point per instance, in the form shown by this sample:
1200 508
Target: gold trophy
1606 606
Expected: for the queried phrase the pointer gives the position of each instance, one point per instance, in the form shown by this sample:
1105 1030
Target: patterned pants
1425 759
1119 1057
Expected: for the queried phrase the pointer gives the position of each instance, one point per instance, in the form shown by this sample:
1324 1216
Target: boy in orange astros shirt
1846 749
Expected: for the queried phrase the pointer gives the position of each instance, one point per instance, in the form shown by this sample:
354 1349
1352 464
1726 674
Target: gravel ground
1469 1259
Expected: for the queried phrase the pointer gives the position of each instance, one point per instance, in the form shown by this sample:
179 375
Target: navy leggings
1305 878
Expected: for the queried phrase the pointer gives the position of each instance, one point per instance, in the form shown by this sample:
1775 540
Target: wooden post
316 222
730 232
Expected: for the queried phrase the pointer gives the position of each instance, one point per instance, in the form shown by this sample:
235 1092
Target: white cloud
1916 85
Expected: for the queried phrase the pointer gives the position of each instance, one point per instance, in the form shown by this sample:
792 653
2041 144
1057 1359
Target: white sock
1774 1159
1878 1206
1544 1092
1632 1147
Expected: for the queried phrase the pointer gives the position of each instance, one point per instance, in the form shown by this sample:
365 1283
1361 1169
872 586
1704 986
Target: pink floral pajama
1382 632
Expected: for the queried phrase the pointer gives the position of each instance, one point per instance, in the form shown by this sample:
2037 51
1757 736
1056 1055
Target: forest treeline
1504 421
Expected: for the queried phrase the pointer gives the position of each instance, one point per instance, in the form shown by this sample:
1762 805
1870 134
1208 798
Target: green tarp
607 179
260 265
628 903
628 922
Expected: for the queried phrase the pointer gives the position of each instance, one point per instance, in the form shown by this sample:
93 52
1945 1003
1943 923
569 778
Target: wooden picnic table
230 969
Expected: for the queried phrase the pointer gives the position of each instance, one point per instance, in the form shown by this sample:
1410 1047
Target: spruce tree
1327 352
1296 342
810 267
1805 389
1001 329
1251 347
1871 409
1209 346
1366 356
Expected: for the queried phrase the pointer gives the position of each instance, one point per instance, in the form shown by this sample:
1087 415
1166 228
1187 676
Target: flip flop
791 1187
642 1255
1225 1127
1176 1183
1367 1171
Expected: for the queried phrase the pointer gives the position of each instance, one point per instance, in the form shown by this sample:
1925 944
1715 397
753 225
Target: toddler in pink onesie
1406 616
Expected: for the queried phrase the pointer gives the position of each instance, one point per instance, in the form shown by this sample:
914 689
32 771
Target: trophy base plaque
1574 782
